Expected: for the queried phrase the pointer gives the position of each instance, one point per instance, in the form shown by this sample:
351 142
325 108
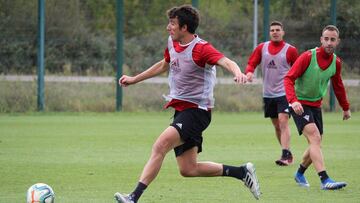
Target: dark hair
331 28
276 23
186 15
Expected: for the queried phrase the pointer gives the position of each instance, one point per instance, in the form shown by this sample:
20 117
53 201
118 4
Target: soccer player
275 58
305 85
189 61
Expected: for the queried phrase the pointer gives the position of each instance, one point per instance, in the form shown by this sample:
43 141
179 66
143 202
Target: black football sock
135 195
301 169
323 176
233 171
286 153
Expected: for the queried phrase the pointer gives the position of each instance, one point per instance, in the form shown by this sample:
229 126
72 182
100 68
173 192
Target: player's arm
253 62
340 92
232 67
205 53
154 70
291 55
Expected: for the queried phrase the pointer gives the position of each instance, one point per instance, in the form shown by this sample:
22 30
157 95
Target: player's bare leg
283 135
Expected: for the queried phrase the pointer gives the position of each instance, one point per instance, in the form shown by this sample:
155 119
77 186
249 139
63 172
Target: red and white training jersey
191 79
275 59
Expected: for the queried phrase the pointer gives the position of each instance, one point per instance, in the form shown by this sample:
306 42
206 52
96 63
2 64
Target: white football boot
122 198
251 180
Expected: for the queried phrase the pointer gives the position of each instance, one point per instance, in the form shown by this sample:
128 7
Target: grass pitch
87 157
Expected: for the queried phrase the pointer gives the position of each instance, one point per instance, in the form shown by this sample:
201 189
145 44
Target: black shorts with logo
310 115
274 106
190 124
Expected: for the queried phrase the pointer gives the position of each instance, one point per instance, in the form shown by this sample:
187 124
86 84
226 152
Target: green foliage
305 19
17 96
101 15
80 34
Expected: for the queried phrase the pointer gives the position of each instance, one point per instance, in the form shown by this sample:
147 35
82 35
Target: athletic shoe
120 198
251 180
301 180
329 184
285 161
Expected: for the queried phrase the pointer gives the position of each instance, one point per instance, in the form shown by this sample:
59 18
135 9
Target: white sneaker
251 180
122 198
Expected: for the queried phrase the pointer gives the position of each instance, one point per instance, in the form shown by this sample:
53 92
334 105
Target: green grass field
87 157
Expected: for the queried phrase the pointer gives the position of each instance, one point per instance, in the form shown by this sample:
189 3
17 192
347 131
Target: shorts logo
286 110
179 125
306 117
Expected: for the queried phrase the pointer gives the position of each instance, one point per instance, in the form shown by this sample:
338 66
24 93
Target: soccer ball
40 193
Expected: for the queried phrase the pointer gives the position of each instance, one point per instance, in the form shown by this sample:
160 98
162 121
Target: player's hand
297 107
346 115
249 76
240 78
126 80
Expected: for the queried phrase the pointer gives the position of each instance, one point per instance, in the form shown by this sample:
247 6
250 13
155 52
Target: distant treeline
81 34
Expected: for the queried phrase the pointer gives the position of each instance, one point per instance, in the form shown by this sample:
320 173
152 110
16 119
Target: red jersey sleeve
167 55
254 59
204 53
338 86
291 55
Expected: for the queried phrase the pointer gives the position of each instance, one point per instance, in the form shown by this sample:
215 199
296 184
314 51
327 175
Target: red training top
324 60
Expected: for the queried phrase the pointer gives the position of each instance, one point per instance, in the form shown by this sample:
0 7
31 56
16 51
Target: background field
20 96
87 157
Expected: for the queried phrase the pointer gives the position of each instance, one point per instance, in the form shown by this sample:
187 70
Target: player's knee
283 120
314 138
277 128
187 172
159 148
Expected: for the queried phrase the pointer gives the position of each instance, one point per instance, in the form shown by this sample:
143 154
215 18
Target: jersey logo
272 65
174 65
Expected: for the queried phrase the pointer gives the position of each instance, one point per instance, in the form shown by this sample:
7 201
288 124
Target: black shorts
190 124
274 106
310 115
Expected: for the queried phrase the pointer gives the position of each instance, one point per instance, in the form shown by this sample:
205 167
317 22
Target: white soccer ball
40 193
